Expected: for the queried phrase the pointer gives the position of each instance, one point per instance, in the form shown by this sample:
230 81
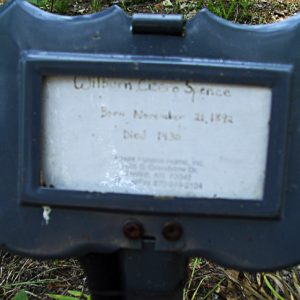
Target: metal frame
37 65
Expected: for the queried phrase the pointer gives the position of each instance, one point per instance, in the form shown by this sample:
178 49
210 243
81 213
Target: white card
151 137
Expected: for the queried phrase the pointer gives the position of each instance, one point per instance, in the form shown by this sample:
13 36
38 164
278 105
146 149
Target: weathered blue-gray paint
249 236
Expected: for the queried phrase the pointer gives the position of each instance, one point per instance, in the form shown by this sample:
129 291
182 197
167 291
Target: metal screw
133 230
172 231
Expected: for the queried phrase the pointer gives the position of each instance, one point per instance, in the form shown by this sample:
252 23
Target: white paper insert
151 137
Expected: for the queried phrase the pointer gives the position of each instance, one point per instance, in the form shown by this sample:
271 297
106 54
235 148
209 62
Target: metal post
136 274
102 271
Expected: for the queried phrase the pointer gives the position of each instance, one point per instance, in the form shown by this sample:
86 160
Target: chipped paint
46 214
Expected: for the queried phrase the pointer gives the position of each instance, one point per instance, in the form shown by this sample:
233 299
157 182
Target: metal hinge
158 24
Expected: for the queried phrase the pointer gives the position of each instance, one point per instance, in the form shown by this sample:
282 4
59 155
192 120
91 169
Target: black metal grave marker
137 142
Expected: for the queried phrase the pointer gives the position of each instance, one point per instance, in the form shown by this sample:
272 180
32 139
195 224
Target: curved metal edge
288 23
242 264
214 257
5 7
77 250
38 13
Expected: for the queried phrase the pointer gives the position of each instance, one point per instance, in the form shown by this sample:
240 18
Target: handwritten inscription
152 137
188 88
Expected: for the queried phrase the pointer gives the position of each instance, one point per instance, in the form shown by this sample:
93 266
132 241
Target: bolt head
133 230
172 231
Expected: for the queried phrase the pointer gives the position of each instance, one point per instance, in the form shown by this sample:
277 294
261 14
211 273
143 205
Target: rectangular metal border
36 65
